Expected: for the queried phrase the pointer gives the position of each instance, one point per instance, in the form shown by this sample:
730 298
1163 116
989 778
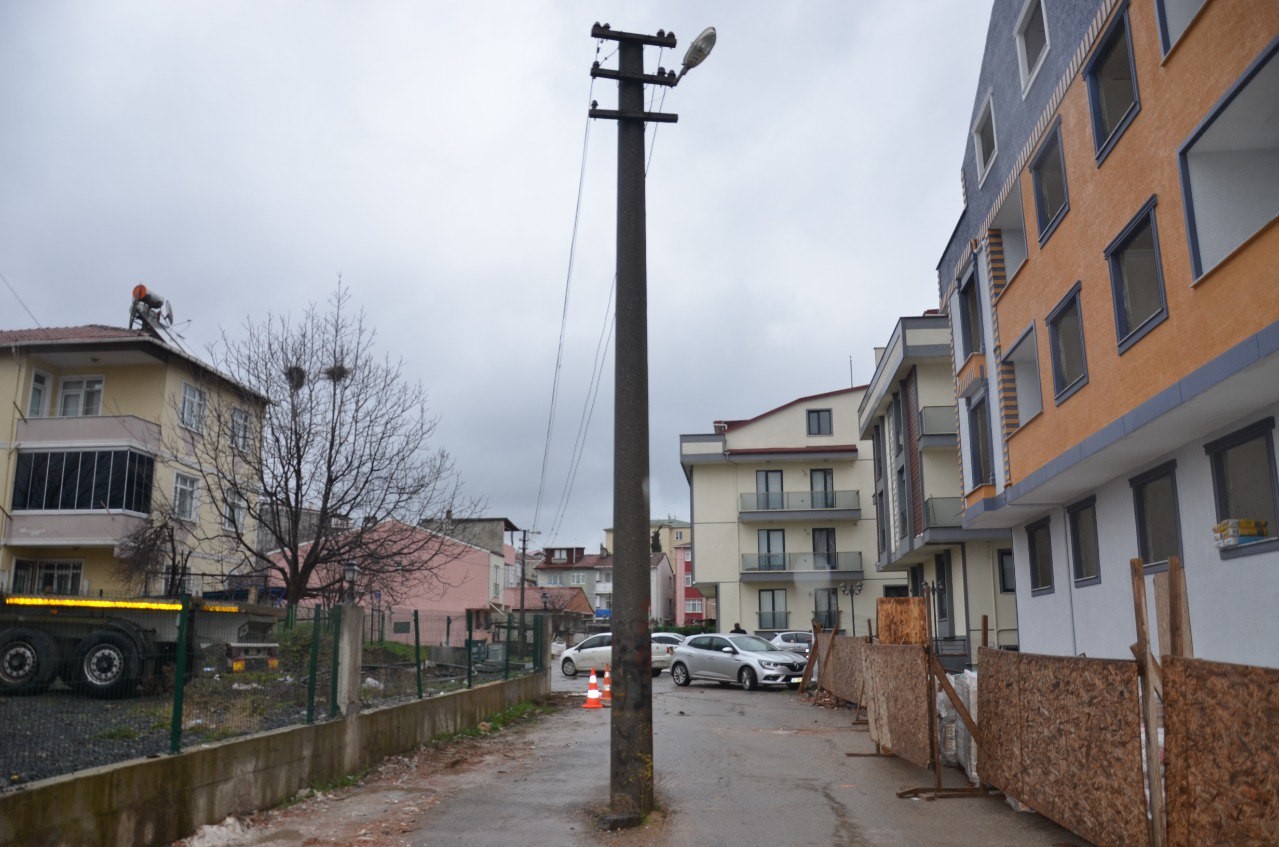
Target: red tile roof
90 332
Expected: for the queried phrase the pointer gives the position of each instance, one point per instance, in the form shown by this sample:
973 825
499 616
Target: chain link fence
84 686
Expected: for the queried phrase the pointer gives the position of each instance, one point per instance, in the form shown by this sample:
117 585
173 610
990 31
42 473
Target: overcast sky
238 156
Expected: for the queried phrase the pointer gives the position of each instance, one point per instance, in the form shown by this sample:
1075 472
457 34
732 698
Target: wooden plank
1181 641
985 630
1150 715
1155 671
1163 647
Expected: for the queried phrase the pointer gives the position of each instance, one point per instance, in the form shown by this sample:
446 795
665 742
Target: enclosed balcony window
38 404
45 576
83 480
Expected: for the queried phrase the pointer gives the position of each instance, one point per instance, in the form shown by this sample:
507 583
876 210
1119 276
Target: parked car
747 660
796 641
597 651
672 638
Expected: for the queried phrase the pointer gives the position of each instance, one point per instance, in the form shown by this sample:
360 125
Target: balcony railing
774 620
827 618
937 420
90 429
800 501
943 511
757 562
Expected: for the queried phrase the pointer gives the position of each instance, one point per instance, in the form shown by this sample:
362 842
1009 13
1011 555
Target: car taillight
669 650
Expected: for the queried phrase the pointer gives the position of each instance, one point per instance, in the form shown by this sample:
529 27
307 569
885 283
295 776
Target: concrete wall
156 801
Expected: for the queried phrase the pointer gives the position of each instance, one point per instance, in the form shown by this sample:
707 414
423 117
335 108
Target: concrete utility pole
523 579
631 756
631 759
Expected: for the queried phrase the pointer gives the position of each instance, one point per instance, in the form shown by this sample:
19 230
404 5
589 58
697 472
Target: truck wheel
107 664
28 661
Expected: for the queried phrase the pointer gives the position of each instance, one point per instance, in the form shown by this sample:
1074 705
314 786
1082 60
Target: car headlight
772 666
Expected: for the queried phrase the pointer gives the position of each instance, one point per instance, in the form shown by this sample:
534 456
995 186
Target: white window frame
688 580
241 427
983 162
577 578
236 511
694 606
43 410
1029 74
80 393
191 410
194 496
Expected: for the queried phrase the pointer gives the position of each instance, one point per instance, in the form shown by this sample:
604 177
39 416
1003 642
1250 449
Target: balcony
774 620
774 567
800 505
937 427
943 511
90 430
80 529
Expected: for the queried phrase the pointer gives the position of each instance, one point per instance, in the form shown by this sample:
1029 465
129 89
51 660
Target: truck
105 648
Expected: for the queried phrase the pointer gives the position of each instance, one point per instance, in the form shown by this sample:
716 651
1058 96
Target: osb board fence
902 620
1063 735
820 644
1221 753
898 700
842 674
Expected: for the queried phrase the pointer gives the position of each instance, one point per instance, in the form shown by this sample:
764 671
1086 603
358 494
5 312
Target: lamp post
546 601
349 573
631 725
851 590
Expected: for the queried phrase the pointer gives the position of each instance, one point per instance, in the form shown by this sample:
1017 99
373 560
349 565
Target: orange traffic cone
607 696
592 694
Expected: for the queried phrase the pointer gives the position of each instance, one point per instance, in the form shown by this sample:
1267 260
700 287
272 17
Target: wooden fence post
1146 667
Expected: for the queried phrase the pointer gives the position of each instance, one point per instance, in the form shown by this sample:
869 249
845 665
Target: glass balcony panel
937 420
773 620
943 511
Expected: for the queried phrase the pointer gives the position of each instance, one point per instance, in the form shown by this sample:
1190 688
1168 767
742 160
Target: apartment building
691 608
908 414
100 426
1114 314
780 535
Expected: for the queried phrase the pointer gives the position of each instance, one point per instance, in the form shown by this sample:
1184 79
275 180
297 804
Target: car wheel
747 678
679 674
107 665
28 661
657 672
568 668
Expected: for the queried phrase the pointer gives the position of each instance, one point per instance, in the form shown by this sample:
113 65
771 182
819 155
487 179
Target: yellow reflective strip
92 604
214 608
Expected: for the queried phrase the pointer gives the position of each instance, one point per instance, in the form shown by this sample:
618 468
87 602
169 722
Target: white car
796 641
597 651
747 660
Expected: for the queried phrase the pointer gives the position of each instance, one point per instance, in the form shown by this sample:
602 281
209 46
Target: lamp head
698 51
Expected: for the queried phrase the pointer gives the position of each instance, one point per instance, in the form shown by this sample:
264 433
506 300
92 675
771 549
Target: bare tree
159 550
328 445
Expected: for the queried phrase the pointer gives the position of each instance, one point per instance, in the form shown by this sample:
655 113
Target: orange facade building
1114 303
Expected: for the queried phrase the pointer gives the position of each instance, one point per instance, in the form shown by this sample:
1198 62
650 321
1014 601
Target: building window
233 516
38 404
604 575
1048 170
1011 224
1007 572
679 535
1244 478
1032 41
688 580
41 576
1084 554
819 422
1112 86
1230 166
1024 359
970 335
979 447
821 483
191 414
772 550
1039 545
554 579
577 578
1155 501
984 147
80 397
559 554
184 492
1136 278
83 480
1066 340
899 431
1174 17
899 494
694 606
241 428
772 608
768 490
824 556
826 607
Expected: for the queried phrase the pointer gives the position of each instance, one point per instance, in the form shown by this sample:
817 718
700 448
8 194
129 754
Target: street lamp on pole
631 748
349 574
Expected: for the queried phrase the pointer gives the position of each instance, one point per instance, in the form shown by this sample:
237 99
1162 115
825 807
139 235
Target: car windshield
752 643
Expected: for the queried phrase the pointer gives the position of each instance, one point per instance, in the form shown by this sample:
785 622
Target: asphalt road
733 769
